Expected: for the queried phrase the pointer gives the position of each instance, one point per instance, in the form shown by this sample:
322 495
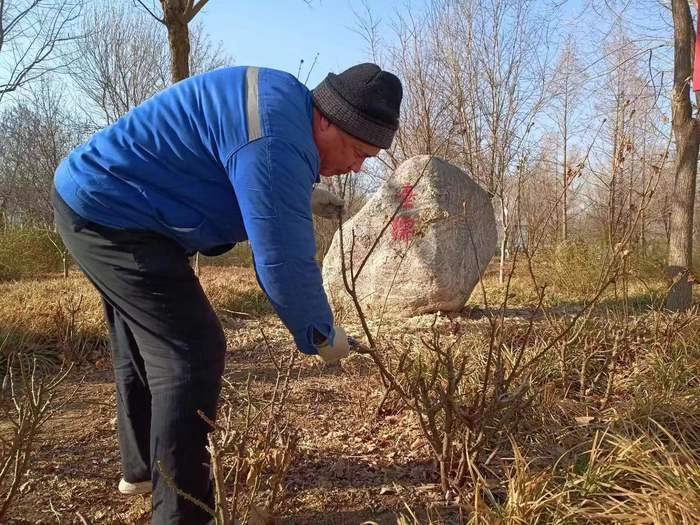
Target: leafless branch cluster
33 38
252 448
27 401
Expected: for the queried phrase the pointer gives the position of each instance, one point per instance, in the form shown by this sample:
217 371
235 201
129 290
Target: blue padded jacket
213 160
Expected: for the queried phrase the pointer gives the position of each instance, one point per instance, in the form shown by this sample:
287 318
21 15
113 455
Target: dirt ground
601 415
351 467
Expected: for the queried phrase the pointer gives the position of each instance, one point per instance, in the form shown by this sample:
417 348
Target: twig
268 347
171 483
221 512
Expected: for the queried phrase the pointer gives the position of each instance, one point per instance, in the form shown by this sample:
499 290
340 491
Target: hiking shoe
131 489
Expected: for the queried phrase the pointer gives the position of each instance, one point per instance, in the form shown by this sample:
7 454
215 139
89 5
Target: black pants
168 356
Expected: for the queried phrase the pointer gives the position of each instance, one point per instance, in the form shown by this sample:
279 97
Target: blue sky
278 33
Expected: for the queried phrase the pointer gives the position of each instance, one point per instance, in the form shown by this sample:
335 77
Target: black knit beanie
363 101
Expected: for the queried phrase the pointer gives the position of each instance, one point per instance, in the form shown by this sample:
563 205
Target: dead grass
571 274
26 252
608 430
56 318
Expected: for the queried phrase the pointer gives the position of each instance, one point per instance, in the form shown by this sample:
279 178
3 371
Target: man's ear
324 122
321 122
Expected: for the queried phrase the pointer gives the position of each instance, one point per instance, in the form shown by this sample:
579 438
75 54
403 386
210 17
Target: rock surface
432 254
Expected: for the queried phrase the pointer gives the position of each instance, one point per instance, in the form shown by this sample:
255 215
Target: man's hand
333 351
325 204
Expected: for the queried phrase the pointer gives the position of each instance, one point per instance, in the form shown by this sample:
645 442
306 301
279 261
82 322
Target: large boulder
432 254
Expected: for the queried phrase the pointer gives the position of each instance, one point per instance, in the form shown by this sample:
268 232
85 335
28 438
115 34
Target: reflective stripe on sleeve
252 109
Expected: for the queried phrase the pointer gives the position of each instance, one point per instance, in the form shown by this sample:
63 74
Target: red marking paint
406 196
402 228
403 224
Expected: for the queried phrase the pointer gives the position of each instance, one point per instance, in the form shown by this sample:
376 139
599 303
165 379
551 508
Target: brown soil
352 466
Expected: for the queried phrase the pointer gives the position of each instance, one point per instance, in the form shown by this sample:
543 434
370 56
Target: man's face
340 152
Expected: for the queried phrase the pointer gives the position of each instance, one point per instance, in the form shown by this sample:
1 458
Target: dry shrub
26 404
235 290
607 432
61 319
53 320
636 456
466 391
540 418
571 268
252 448
28 252
255 448
239 256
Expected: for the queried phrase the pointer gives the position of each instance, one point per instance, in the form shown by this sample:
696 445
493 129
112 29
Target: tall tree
118 63
124 59
566 90
176 16
686 133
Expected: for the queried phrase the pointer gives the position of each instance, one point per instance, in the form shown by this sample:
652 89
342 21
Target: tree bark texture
687 139
177 14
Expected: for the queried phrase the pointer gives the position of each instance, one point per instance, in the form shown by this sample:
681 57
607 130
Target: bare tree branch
150 12
31 33
193 10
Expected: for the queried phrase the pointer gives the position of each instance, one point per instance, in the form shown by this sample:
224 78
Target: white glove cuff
333 351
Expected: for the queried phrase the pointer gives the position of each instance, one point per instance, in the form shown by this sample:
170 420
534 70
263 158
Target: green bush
572 267
28 252
649 265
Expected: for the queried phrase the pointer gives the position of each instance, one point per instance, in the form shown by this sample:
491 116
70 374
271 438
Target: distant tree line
580 134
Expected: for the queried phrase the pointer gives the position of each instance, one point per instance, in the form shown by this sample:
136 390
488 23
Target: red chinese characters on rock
402 228
403 224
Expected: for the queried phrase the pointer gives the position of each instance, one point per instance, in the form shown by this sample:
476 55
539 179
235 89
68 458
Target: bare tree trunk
504 242
179 40
629 219
174 12
567 87
565 176
643 203
177 14
682 206
686 134
618 145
